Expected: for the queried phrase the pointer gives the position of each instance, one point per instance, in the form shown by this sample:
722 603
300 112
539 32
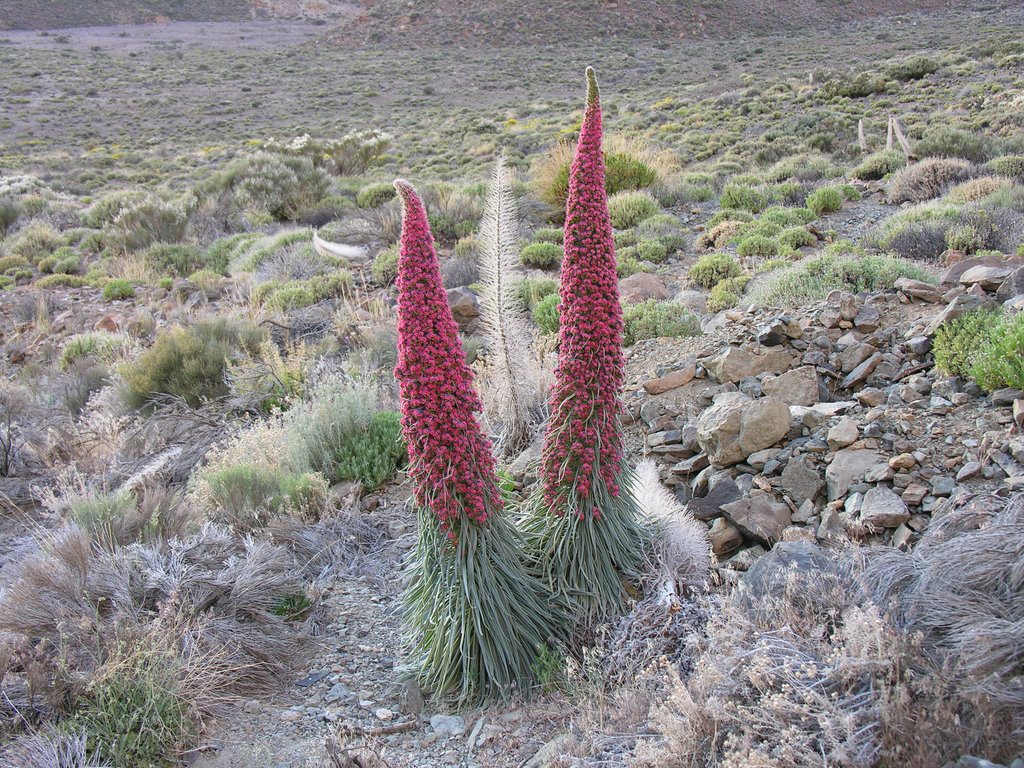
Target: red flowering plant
476 619
588 533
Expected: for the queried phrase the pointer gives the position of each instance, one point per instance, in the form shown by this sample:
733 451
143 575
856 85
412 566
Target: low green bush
841 267
878 165
372 455
959 341
1001 362
61 281
757 245
627 209
190 362
797 237
384 269
549 235
949 141
541 255
36 241
545 314
248 496
825 200
743 197
654 319
1007 165
912 68
713 268
533 289
118 289
728 214
727 293
374 195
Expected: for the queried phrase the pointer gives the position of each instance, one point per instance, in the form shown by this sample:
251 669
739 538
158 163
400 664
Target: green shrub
134 712
913 68
948 141
654 319
279 186
651 250
118 289
98 345
663 228
549 235
1007 165
850 192
743 197
825 200
626 263
965 238
248 496
296 294
878 165
797 237
13 262
375 195
532 290
1001 361
105 210
728 214
385 267
624 171
854 86
787 217
150 220
977 189
36 241
10 212
545 314
231 250
190 362
61 281
541 255
372 455
627 209
959 341
757 245
841 267
713 268
727 293
625 238
178 260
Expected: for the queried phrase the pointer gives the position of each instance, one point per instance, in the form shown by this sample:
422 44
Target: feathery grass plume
682 552
512 396
587 528
476 620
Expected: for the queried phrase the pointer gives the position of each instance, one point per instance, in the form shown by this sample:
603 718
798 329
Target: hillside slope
57 14
490 22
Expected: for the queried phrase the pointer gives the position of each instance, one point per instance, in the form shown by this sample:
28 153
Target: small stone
867 318
801 481
848 466
677 378
879 473
448 725
724 537
871 397
796 387
968 470
339 692
883 509
987 277
758 518
384 714
919 290
843 434
943 486
914 493
642 286
862 371
708 507
291 716
737 426
903 461
1006 396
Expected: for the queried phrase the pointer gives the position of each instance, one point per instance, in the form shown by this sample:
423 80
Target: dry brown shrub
926 180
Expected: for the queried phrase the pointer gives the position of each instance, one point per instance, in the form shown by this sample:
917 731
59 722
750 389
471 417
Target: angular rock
862 371
914 493
957 269
736 426
709 507
883 509
680 377
448 725
867 319
798 386
919 290
848 466
735 364
464 304
724 537
801 481
854 354
845 433
989 278
758 518
695 301
968 470
642 286
1012 286
691 465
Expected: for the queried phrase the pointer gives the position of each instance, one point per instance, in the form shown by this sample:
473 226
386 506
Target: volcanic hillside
442 22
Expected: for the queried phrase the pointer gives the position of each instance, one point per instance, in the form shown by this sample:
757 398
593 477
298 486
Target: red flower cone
476 620
591 536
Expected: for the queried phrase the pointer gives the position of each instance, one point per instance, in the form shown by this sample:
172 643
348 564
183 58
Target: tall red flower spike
583 444
450 459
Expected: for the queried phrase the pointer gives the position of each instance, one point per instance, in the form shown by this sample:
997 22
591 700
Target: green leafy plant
959 341
654 319
545 314
541 255
825 200
743 197
713 268
118 289
627 209
374 195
